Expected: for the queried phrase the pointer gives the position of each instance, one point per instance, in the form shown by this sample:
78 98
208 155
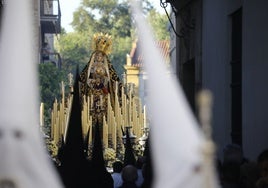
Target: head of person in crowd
129 174
116 175
117 167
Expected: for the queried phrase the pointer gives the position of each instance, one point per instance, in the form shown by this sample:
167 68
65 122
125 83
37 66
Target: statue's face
99 56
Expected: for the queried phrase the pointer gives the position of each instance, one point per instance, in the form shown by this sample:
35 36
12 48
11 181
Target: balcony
50 16
51 57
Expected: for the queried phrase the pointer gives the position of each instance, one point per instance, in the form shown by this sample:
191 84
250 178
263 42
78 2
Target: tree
107 16
159 24
83 20
49 86
74 49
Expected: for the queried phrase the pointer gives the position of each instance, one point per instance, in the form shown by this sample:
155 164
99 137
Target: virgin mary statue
98 78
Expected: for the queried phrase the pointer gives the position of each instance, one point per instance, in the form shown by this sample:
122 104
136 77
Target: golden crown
102 42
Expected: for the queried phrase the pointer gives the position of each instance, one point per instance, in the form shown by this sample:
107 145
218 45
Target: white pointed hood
24 160
177 141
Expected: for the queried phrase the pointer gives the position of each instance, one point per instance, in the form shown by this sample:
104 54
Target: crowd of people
130 176
236 171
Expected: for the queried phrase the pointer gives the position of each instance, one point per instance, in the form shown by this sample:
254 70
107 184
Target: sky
69 6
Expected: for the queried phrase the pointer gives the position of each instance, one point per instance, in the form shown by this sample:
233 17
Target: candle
91 101
42 114
116 87
144 116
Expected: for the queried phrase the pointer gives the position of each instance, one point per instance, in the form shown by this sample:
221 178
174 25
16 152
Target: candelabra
143 139
132 137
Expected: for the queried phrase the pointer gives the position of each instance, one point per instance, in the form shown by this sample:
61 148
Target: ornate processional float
105 100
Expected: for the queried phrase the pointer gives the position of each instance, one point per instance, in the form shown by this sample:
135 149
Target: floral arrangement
52 148
109 156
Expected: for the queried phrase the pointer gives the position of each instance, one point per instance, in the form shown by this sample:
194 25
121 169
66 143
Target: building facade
134 67
222 46
50 25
